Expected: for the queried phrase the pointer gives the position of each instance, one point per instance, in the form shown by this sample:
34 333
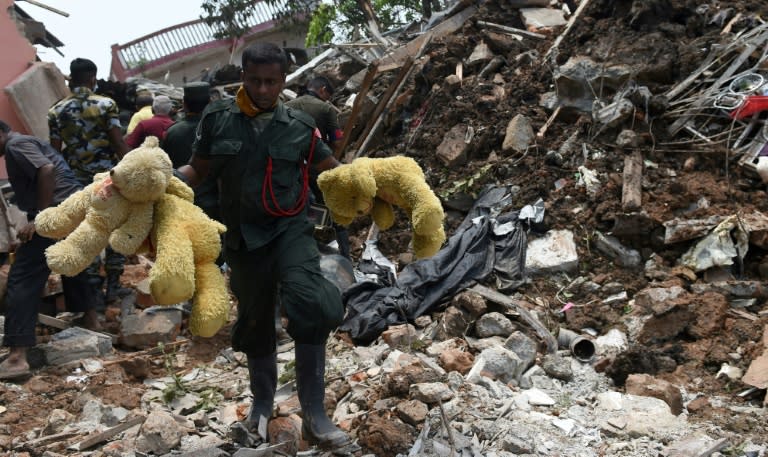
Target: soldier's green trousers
286 269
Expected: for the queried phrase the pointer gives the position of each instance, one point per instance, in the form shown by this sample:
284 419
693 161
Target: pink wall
17 56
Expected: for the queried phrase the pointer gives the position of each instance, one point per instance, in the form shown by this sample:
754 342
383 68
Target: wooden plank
379 109
512 30
357 106
568 27
519 307
400 84
397 58
52 321
632 187
543 130
308 66
743 314
107 434
371 24
44 440
47 7
727 29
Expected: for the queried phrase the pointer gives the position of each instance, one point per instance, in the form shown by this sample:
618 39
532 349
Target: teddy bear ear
151 142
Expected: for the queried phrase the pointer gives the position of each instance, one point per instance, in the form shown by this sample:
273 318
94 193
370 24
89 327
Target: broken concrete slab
611 247
555 252
74 344
576 80
696 446
642 416
150 327
481 54
540 18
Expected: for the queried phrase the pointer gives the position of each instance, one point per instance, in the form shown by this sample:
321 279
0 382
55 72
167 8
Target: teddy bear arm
180 189
425 209
73 254
383 214
59 221
428 245
128 237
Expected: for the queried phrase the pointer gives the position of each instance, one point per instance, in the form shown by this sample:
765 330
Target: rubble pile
612 301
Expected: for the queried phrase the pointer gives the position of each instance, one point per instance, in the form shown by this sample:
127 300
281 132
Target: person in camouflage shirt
86 129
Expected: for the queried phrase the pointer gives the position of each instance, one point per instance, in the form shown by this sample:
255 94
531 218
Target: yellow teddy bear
139 206
373 185
115 209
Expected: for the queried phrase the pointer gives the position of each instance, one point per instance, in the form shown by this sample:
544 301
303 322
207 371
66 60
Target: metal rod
49 8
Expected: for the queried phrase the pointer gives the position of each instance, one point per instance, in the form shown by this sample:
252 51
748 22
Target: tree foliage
229 18
326 21
342 20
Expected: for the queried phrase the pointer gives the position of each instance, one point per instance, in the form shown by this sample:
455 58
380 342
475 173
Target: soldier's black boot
263 377
317 427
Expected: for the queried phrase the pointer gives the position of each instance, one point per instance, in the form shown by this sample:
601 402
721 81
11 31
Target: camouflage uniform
81 121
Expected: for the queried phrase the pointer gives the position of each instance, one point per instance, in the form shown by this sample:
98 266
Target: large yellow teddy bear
372 186
136 205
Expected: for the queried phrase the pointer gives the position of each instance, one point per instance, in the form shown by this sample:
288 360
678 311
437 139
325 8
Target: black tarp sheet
491 239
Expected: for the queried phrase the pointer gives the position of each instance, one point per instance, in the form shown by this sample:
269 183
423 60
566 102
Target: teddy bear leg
172 277
210 308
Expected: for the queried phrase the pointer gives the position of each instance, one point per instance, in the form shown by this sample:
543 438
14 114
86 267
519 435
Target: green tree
229 18
325 20
339 20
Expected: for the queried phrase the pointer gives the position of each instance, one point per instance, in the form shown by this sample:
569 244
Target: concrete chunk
555 252
76 343
147 329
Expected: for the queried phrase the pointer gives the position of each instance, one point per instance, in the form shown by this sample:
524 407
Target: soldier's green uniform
327 120
260 164
179 138
325 116
178 144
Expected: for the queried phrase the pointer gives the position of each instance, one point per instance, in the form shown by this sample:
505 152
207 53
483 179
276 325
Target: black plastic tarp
486 242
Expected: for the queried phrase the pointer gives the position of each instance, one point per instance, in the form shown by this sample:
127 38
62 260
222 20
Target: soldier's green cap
197 91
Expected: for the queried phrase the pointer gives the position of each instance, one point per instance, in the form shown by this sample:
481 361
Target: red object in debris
752 104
